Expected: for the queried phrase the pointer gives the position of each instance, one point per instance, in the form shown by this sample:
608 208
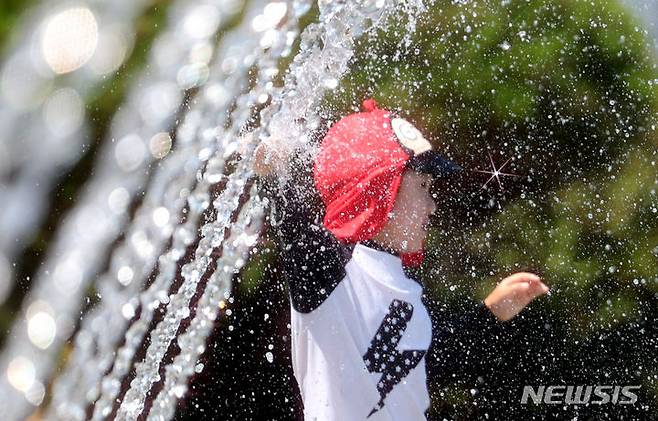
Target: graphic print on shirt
383 356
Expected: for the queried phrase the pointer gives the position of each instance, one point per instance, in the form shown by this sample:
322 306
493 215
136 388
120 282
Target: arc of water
96 222
323 58
333 34
95 343
211 233
177 306
75 385
42 128
244 234
236 51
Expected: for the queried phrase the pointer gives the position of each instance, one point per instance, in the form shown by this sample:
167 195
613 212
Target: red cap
359 167
357 173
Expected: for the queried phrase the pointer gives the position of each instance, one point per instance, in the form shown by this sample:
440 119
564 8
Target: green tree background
567 90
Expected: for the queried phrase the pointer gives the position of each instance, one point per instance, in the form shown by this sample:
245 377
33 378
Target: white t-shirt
362 339
360 355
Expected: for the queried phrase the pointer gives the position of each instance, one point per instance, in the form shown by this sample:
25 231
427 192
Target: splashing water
291 108
162 262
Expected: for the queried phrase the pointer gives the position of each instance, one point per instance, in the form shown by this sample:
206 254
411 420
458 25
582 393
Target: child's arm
463 341
313 260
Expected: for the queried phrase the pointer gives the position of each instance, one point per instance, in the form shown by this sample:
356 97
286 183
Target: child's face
412 210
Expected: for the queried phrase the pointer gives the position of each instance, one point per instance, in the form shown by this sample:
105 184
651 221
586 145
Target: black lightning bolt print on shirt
383 355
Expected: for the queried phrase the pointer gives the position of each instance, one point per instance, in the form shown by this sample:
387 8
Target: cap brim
435 164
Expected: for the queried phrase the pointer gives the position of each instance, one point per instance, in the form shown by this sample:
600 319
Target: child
363 340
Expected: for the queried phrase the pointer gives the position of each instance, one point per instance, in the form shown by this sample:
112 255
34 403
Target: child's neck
409 260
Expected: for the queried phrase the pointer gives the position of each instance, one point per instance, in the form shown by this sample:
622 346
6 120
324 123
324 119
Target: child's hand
266 160
513 293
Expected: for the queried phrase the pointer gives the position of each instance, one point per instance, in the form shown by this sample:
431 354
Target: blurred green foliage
567 90
10 11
